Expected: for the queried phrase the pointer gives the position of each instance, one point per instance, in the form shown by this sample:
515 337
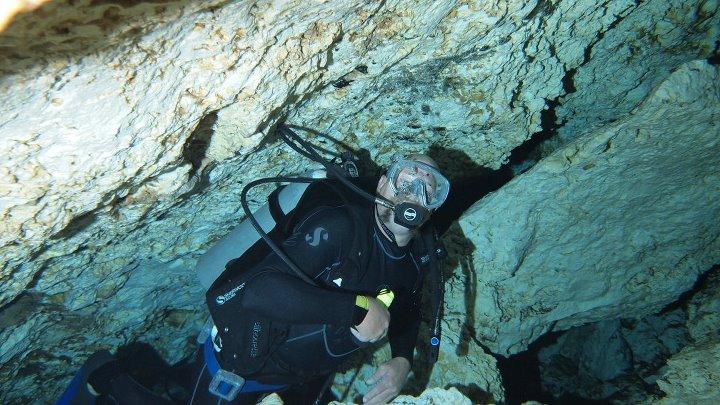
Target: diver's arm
390 377
404 327
286 298
316 245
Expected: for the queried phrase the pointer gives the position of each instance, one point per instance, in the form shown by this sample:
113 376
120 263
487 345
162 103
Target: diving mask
418 181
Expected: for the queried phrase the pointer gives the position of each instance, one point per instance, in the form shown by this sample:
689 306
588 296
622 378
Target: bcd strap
437 254
276 212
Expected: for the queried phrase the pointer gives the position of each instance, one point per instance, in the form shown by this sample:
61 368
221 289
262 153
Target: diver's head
416 187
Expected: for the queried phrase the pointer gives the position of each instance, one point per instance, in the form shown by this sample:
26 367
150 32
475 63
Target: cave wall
693 374
129 128
621 221
638 360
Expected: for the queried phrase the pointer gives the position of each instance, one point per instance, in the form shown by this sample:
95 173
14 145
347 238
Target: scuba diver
337 271
273 327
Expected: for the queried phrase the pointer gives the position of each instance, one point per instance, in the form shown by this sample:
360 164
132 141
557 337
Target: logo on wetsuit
257 328
221 299
314 238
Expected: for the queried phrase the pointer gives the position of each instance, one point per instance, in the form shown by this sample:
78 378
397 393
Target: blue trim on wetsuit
71 390
250 385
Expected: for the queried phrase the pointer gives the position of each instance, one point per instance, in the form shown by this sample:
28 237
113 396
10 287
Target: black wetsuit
303 313
343 250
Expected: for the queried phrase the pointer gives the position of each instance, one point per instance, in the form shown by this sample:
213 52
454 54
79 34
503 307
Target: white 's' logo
314 238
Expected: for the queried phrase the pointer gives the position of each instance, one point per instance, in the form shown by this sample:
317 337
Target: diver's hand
375 324
390 378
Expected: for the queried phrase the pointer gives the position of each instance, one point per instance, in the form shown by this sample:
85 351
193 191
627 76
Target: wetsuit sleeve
404 326
465 192
316 245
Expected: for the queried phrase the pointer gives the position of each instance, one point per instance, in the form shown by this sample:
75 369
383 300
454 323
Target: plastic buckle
205 331
229 379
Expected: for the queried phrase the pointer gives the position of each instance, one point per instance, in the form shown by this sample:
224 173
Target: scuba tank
244 236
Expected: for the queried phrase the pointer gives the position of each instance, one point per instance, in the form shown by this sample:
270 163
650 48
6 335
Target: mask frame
410 178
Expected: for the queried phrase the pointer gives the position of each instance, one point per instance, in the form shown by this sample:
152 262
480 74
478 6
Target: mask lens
418 181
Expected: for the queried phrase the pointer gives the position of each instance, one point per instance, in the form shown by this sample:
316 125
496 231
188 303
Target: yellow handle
386 297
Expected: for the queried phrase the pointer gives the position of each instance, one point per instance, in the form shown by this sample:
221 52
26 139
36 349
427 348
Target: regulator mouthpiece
410 215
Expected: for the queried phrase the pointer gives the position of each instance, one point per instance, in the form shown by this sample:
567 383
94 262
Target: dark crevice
21 308
197 143
543 7
521 372
516 94
340 83
549 128
36 278
568 81
525 153
521 376
587 53
684 298
75 226
714 59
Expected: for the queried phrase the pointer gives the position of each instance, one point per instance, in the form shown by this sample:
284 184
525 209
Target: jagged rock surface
462 364
131 127
429 397
612 358
620 222
693 375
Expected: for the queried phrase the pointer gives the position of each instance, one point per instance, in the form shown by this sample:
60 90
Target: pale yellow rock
272 399
692 376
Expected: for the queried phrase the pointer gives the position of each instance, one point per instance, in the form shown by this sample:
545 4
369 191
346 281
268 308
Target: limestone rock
429 397
129 127
272 399
618 222
483 77
692 376
634 51
612 358
704 310
472 371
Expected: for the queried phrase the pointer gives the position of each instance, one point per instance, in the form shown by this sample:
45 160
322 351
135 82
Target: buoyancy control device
243 241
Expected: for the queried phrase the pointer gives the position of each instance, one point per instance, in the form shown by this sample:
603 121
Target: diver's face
395 196
415 185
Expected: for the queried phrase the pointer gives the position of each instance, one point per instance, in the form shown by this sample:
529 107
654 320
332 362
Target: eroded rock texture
625 360
693 375
129 127
619 222
429 397
612 359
